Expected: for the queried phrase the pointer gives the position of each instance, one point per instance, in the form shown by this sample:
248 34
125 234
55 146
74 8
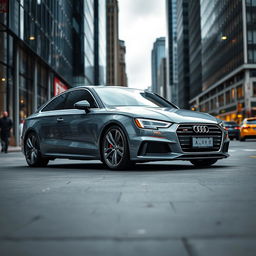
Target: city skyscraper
183 53
162 79
157 54
228 59
122 64
112 42
171 48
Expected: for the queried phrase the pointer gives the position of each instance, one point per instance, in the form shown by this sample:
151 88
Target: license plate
202 142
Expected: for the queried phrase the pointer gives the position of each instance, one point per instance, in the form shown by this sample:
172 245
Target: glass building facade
45 48
171 47
228 30
195 62
83 34
100 42
183 53
222 38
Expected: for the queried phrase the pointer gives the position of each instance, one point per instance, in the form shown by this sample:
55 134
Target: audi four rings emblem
200 129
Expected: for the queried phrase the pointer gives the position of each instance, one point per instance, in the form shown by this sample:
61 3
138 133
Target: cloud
142 7
140 23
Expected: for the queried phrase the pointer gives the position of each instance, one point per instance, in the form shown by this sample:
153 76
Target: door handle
60 119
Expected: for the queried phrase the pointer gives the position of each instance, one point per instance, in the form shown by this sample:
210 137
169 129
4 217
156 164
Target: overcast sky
140 23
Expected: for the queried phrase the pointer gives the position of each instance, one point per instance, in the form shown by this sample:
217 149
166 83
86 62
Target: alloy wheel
31 149
32 152
114 147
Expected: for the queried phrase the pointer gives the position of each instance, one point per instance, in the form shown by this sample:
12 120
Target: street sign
59 86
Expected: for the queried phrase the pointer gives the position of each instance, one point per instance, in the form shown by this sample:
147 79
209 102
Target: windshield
251 121
230 123
112 97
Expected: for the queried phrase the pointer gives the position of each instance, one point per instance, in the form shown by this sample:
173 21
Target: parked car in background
248 129
233 129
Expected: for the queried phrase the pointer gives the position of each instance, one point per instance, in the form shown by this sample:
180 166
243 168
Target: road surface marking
246 150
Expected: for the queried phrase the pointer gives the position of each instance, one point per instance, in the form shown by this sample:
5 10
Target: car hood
167 114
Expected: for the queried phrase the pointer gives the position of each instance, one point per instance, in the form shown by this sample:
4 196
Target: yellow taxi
248 129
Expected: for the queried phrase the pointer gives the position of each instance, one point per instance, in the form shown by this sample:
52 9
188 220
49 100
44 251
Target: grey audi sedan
121 126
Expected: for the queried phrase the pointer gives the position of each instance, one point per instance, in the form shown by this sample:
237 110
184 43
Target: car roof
106 87
250 118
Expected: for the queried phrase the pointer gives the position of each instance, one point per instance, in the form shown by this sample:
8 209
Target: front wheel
32 151
115 150
204 162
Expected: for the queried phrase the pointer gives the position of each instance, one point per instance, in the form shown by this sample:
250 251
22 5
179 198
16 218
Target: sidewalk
14 149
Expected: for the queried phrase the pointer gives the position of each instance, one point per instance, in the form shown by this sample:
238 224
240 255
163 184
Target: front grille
185 133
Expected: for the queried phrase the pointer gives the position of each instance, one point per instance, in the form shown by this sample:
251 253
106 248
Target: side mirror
83 104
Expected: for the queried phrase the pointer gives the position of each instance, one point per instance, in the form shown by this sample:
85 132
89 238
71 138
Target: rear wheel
204 162
32 151
115 150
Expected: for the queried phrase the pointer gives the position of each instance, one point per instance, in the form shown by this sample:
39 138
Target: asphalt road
164 208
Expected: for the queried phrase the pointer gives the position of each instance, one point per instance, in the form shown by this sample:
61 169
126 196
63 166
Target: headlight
151 124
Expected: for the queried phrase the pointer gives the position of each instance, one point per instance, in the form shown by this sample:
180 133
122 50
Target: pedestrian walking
5 131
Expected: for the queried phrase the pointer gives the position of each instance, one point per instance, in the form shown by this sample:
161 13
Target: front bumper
165 145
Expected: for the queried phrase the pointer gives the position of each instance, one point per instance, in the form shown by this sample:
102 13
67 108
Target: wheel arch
29 130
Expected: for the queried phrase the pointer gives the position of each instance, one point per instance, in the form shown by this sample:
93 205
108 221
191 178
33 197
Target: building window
228 97
240 92
251 2
251 37
221 100
254 89
26 97
42 86
252 56
233 93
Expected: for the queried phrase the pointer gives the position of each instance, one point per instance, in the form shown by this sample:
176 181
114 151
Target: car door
49 126
80 129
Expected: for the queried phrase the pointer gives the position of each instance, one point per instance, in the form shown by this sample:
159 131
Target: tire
204 162
115 149
32 151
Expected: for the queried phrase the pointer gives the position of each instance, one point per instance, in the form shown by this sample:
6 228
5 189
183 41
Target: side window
79 95
56 104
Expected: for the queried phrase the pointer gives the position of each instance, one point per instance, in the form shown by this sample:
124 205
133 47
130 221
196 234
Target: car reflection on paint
121 127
